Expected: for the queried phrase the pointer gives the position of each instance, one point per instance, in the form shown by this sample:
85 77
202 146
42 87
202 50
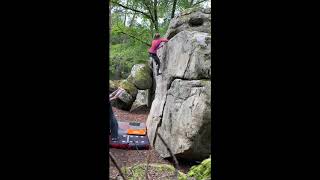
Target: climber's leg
157 60
158 66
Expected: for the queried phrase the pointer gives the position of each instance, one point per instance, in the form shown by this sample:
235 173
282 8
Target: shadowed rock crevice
193 22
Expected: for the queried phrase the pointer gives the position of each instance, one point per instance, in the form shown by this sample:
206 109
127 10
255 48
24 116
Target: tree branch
191 2
149 10
135 38
115 163
145 14
176 164
199 2
122 32
148 160
173 8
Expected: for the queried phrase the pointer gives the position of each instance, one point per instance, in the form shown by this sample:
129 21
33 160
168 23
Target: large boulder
140 76
187 56
193 19
127 98
184 122
181 109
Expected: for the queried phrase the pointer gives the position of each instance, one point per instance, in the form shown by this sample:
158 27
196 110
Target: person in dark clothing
113 121
113 124
155 45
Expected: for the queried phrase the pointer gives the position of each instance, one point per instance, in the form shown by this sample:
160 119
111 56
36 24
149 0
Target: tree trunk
191 3
156 25
173 8
110 23
118 70
151 28
133 18
125 14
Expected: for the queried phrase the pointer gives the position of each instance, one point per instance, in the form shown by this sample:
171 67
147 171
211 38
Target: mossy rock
129 87
113 85
141 76
201 171
156 171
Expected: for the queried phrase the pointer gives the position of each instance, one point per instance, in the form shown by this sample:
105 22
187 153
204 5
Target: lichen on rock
113 85
129 87
140 76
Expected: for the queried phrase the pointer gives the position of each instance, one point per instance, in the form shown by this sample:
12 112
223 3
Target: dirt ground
131 157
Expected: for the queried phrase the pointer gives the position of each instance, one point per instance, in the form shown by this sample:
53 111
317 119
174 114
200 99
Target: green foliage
131 31
127 55
201 171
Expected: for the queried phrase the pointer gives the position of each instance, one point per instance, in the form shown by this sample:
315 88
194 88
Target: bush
201 171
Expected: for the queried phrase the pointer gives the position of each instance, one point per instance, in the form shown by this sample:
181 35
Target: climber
113 120
153 50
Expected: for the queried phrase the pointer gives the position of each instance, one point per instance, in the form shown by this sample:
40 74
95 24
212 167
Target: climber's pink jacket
155 45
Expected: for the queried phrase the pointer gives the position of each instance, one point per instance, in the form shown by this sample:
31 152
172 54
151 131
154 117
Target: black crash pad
126 141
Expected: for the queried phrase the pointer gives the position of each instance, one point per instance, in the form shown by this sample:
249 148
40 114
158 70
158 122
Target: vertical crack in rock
188 64
159 123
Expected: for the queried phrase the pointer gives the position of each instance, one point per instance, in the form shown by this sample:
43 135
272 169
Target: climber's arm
117 93
113 93
164 40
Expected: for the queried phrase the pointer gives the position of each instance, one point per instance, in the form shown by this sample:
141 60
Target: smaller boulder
124 101
141 102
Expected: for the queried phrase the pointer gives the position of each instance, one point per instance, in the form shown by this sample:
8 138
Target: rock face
191 20
186 119
181 110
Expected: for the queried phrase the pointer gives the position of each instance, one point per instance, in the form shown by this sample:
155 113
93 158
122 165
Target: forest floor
132 157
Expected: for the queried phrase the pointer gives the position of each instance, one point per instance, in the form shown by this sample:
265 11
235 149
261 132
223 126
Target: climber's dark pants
156 59
113 124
